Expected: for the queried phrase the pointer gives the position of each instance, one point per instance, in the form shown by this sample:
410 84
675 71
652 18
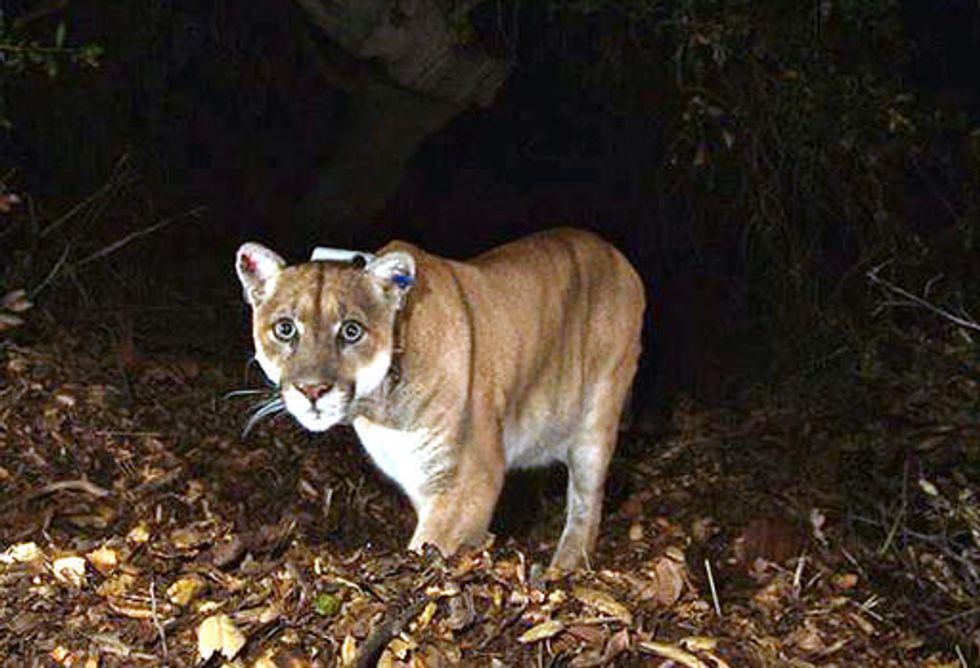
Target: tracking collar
327 254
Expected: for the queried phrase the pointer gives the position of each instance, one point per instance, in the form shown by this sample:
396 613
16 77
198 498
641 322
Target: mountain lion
453 372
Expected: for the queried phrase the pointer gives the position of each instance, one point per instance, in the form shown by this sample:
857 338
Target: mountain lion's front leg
460 515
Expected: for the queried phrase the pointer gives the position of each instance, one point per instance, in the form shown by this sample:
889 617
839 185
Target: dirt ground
139 528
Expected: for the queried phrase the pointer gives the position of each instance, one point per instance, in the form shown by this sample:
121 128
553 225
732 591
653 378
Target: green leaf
326 605
60 33
90 54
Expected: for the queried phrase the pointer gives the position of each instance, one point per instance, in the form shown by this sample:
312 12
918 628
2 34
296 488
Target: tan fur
520 357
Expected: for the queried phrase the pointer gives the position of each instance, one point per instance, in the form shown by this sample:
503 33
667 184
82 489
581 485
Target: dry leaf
619 643
590 634
772 597
266 660
699 643
348 651
187 538
13 302
8 201
542 631
774 539
21 552
667 579
400 646
16 301
635 505
701 155
604 603
728 137
185 590
9 321
61 654
461 612
928 487
590 657
705 646
139 533
636 532
864 624
127 608
70 570
671 652
808 639
386 660
103 559
845 581
116 585
218 633
426 615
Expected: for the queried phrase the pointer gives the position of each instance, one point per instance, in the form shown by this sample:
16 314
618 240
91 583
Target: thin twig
116 245
915 300
507 623
711 583
959 655
156 618
327 500
113 183
22 21
80 485
952 618
29 48
51 274
893 531
798 574
939 542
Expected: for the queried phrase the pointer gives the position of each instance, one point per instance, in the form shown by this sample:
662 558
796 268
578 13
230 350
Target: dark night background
231 106
247 109
778 173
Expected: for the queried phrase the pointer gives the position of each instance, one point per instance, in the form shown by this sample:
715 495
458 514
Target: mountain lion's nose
313 391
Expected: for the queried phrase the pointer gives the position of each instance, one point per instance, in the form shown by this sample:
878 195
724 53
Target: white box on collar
325 254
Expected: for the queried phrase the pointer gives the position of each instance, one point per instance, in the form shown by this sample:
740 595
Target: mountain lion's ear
395 270
256 266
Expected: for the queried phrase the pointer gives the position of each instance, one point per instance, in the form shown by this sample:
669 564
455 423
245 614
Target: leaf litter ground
137 527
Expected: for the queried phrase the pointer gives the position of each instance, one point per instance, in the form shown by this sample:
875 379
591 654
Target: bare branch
909 299
53 7
54 272
116 245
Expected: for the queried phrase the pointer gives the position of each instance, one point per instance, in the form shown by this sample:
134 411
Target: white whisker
272 407
243 393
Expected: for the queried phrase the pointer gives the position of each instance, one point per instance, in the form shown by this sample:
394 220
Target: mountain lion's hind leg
587 462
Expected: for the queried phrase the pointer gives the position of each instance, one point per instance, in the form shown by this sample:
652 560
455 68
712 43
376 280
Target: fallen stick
80 485
385 632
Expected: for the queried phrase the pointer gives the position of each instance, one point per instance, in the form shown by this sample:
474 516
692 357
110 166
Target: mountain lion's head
324 331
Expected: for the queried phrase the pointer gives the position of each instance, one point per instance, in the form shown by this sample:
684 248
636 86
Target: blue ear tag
402 280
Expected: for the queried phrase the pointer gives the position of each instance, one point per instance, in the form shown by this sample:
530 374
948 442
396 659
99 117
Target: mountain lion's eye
284 329
351 331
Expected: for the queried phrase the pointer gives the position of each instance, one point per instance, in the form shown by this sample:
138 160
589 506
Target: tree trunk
413 76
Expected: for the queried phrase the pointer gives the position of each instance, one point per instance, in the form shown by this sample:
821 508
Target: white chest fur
410 458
